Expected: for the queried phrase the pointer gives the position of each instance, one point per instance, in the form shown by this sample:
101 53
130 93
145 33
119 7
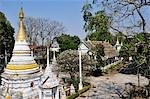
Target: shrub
112 67
73 96
84 89
76 94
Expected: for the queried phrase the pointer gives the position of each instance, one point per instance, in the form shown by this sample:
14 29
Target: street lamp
80 69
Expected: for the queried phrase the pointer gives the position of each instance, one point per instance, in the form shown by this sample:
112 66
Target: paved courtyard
110 86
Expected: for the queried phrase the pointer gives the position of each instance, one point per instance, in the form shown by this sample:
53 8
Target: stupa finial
21 14
21 36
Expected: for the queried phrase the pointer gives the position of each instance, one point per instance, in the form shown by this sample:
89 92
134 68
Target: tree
42 31
68 62
99 54
31 28
99 60
6 37
97 25
125 15
127 50
67 42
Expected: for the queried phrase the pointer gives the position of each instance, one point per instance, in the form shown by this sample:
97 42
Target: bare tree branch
42 31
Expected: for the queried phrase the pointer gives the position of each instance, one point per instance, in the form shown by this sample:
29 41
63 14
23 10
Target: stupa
22 73
49 87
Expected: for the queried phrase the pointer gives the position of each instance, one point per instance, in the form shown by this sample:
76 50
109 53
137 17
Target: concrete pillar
80 70
54 57
57 93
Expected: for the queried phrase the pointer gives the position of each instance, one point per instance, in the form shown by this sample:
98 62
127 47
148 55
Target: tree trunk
143 23
72 75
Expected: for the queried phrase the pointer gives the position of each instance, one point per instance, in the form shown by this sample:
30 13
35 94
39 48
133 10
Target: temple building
23 76
89 47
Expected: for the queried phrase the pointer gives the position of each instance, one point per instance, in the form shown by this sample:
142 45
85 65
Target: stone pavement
111 86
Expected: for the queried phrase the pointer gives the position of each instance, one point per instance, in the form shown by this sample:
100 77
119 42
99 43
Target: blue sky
66 11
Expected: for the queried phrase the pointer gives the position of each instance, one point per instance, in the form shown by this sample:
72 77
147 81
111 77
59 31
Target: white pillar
80 70
54 57
48 56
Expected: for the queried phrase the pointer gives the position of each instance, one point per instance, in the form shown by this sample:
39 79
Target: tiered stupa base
26 84
17 82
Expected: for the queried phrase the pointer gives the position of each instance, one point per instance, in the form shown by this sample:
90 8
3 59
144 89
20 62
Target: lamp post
80 69
48 56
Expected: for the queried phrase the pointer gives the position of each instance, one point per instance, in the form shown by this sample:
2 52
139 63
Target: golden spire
21 36
21 14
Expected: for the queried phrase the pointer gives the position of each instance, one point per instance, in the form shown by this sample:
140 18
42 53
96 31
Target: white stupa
22 72
118 45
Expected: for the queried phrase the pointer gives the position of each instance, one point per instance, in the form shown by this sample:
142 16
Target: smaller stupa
49 87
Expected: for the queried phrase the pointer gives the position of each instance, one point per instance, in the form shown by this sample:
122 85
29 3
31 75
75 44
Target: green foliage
99 54
86 9
75 95
6 36
97 22
84 89
134 46
113 67
139 37
75 82
97 25
99 61
127 50
67 42
101 36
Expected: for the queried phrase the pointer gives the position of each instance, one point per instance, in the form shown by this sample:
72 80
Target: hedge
76 94
112 67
